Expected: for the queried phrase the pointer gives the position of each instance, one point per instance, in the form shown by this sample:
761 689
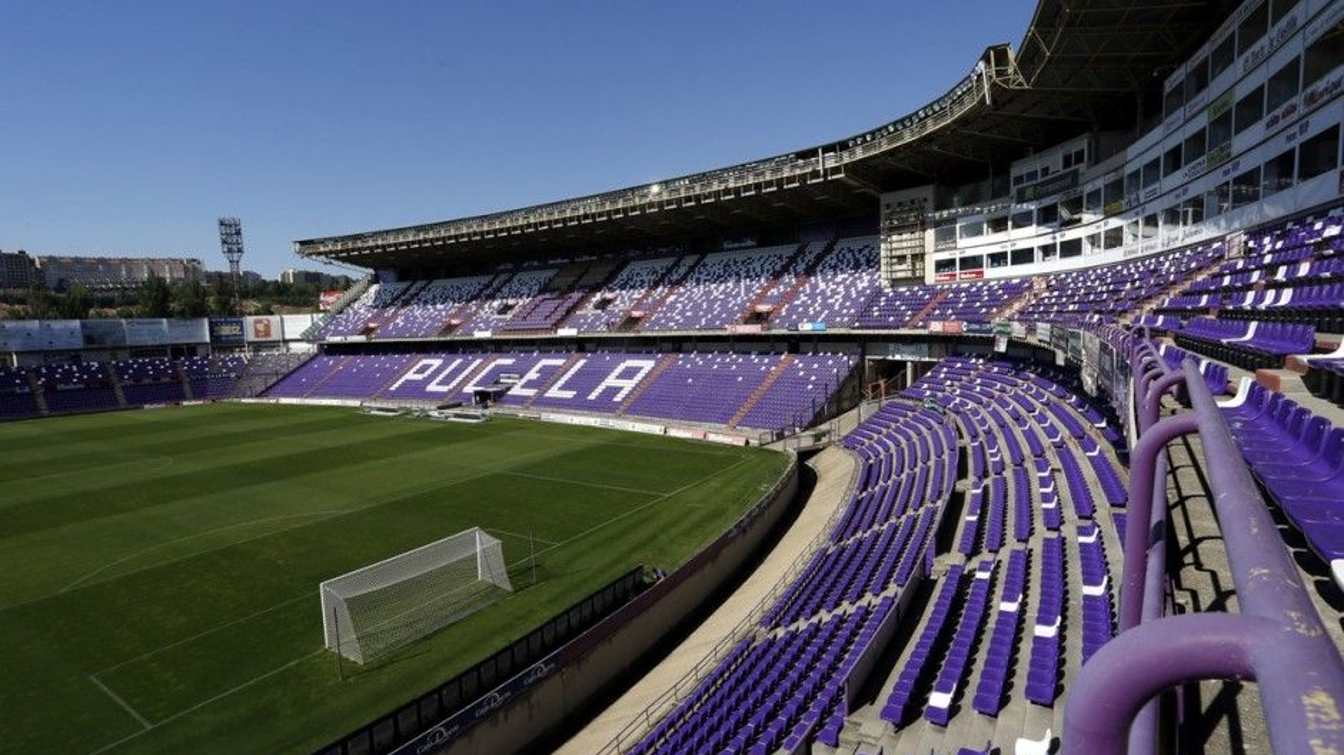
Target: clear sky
128 128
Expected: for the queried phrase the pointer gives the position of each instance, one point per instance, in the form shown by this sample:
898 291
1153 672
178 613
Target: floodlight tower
231 243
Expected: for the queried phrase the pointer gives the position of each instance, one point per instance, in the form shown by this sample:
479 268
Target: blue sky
127 128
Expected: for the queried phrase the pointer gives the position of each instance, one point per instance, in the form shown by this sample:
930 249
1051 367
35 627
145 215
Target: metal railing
1277 639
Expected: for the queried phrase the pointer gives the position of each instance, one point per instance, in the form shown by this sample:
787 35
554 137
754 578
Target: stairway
673 279
1010 310
182 378
760 390
665 361
466 308
117 390
772 283
591 283
918 319
39 397
1148 305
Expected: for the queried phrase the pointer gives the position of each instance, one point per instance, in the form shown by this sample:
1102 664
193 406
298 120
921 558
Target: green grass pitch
159 569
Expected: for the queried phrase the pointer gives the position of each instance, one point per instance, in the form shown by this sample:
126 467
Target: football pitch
159 569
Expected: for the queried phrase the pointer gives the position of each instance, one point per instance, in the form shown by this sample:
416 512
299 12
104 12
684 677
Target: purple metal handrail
1277 639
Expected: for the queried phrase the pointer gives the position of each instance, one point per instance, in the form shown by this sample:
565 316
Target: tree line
156 297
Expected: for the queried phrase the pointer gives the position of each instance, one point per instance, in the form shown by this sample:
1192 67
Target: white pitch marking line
124 705
207 701
520 535
584 483
300 659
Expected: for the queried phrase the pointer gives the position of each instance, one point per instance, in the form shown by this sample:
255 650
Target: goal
378 608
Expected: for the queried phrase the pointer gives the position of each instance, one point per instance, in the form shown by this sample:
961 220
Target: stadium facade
1001 309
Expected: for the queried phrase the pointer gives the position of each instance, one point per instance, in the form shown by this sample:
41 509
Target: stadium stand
1062 532
769 392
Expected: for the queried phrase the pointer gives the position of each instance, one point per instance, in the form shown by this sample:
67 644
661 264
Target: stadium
1012 425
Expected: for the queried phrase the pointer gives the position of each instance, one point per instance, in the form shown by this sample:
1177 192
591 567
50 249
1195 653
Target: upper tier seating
428 311
608 308
498 307
836 289
719 290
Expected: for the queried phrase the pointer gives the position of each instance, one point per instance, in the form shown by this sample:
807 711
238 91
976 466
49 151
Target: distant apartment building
292 276
17 270
60 273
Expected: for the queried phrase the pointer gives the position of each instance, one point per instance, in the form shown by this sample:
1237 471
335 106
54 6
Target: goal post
387 605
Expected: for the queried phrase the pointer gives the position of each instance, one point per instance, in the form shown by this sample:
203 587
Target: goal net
384 606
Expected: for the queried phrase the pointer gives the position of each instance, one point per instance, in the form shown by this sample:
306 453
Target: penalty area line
150 727
144 722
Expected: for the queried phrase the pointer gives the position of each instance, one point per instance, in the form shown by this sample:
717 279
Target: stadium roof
1081 66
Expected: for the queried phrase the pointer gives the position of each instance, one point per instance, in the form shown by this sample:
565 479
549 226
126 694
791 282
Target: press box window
1220 130
1194 146
1278 173
1070 248
1250 109
1152 172
1024 219
998 259
973 262
1222 56
1322 57
1282 86
1113 238
1246 188
1023 256
1171 161
998 224
1319 154
1252 29
1092 202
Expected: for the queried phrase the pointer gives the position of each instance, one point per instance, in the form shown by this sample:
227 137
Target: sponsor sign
146 332
945 277
40 335
567 331
971 275
1323 90
1019 330
952 326
263 328
292 326
481 333
812 327
972 328
196 330
725 438
98 333
1000 344
227 331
